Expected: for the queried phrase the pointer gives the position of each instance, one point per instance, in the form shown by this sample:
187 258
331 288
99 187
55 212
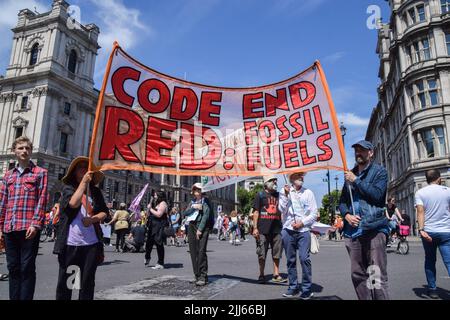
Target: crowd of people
281 221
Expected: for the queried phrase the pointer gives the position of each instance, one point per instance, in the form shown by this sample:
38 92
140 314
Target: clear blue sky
240 43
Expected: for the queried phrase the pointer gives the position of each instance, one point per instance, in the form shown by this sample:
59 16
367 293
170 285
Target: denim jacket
369 195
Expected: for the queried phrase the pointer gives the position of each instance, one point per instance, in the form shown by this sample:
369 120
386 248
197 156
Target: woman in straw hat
79 240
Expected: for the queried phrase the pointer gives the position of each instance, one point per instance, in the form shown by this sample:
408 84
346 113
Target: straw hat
96 178
296 173
268 178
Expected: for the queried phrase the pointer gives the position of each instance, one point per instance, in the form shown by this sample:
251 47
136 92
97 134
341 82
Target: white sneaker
158 267
231 241
237 240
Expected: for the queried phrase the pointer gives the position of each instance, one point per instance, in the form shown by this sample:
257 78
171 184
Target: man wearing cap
298 211
23 198
267 228
200 218
365 224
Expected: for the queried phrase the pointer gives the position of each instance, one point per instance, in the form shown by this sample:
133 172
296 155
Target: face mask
298 183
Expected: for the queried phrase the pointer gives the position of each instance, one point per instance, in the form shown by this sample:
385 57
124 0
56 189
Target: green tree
247 198
329 204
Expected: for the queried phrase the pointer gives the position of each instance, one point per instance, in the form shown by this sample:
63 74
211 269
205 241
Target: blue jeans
21 261
300 242
441 240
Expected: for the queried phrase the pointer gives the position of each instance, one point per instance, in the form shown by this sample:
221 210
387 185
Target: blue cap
364 144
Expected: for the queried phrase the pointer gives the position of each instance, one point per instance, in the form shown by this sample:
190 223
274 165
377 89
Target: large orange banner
149 121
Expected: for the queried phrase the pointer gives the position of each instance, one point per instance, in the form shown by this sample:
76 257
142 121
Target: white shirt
298 206
435 200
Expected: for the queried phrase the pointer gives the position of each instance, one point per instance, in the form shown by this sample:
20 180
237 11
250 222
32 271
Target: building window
445 6
63 142
426 94
418 51
116 186
67 107
72 61
34 54
24 103
432 141
130 188
415 15
19 132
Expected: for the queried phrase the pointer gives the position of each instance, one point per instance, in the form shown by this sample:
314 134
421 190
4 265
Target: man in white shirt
433 215
298 213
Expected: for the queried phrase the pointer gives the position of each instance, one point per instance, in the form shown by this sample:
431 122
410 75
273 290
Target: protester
55 220
299 211
267 228
156 221
219 226
121 225
23 199
79 241
338 227
200 218
136 238
234 227
366 231
225 226
433 214
394 216
242 222
175 219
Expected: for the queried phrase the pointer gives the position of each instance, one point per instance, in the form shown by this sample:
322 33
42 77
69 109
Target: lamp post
343 132
327 179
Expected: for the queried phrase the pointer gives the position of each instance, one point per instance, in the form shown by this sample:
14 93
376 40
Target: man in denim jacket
366 230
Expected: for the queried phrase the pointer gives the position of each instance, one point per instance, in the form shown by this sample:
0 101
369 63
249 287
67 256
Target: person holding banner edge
298 212
365 224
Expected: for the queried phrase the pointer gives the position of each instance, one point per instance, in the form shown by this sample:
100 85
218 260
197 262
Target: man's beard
361 160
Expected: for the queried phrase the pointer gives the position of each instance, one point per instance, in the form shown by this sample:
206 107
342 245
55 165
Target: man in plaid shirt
23 198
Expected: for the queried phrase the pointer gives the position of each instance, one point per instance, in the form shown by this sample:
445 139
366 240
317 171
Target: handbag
169 231
315 246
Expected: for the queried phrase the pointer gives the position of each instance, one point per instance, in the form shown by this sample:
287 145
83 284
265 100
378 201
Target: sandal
278 279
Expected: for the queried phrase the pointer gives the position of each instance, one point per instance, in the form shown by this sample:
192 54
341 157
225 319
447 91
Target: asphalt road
233 272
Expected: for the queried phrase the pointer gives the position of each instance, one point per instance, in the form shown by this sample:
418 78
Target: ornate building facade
48 95
410 124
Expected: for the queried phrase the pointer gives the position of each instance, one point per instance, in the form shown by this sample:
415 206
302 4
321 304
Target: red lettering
297 126
117 81
308 121
113 139
319 120
143 96
207 108
296 97
156 141
282 127
252 157
276 102
270 135
249 105
276 162
180 96
306 159
290 160
249 133
327 151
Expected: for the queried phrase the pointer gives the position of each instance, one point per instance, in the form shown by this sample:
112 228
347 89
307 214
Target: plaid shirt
23 198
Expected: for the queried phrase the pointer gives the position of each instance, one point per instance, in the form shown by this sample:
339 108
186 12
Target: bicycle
403 245
46 232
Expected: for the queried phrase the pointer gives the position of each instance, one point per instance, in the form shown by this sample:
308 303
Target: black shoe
433 294
306 295
261 280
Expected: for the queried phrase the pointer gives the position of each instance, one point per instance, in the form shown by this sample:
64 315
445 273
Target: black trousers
81 259
120 240
159 248
21 261
197 249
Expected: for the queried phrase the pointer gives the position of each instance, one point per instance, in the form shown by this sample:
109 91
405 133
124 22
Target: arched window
72 61
34 54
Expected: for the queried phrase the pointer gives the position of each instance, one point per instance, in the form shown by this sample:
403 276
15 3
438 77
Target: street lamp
343 132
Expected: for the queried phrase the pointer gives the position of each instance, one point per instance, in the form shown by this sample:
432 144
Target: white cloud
334 57
117 22
8 19
351 119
